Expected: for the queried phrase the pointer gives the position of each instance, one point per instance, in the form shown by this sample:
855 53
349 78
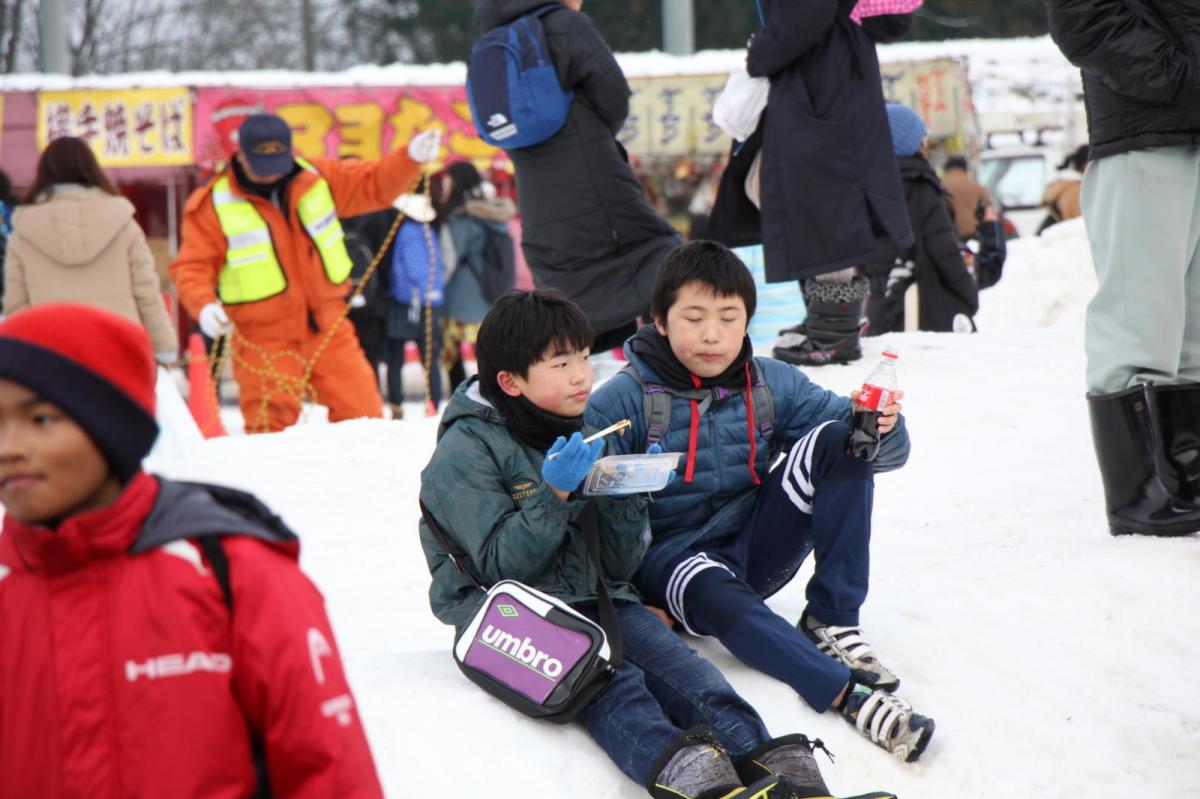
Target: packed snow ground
1056 659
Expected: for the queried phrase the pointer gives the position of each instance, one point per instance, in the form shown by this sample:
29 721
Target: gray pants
1142 211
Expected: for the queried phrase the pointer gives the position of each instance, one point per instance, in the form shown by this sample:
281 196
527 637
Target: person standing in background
263 250
76 240
965 196
471 215
1141 202
829 184
1062 197
586 224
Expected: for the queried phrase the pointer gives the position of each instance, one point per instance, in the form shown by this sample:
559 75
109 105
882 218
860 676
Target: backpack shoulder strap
656 406
764 406
218 561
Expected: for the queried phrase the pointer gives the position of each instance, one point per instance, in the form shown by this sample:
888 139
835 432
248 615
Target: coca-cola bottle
877 391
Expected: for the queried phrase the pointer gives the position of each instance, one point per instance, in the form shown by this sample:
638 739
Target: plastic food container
630 474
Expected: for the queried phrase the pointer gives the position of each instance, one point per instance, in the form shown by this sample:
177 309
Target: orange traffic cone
202 398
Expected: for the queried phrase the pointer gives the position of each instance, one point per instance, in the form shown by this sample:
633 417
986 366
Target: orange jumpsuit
298 319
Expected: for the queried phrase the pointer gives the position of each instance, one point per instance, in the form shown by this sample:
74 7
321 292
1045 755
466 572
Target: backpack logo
515 97
507 610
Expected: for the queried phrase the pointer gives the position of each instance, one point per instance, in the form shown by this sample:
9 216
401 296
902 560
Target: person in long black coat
587 228
829 180
1140 61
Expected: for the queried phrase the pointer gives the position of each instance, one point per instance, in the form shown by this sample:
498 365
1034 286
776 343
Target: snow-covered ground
1056 659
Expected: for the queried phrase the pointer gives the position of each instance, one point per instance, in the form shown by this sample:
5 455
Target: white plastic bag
741 104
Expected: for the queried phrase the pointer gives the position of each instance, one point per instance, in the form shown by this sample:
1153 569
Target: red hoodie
128 675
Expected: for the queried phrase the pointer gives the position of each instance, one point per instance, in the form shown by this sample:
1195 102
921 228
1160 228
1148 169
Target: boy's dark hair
956 162
518 330
706 262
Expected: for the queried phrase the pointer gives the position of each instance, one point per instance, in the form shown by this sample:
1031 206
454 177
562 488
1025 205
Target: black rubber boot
1129 452
1177 417
832 328
695 766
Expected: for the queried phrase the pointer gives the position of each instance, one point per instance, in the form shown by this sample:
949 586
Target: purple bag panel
516 646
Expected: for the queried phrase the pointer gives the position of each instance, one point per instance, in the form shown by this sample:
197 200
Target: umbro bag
516 99
532 651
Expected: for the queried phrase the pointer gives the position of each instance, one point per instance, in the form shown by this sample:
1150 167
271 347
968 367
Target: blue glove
572 461
655 449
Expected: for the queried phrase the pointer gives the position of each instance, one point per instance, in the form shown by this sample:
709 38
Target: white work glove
213 321
166 357
358 301
425 146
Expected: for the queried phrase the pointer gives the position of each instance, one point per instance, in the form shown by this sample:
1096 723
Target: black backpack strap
589 520
457 556
218 561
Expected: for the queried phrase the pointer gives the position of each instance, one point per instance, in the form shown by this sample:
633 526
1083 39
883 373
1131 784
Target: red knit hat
97 366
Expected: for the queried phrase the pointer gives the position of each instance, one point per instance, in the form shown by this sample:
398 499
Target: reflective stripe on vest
252 271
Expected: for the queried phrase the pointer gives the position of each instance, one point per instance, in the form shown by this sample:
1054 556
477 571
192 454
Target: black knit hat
97 366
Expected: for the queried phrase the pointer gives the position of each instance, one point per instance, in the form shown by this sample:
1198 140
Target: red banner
337 122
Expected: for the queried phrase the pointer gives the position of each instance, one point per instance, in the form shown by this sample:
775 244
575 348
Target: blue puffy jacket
722 493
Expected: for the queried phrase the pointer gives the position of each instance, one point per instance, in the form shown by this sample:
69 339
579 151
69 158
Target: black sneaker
888 721
847 645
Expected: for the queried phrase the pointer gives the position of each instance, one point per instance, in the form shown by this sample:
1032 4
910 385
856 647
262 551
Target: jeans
662 689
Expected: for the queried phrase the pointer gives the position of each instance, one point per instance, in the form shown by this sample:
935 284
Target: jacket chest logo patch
523 490
178 665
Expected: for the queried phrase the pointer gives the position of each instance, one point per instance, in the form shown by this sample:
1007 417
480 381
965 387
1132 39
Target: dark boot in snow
791 757
695 766
831 331
1130 453
1177 414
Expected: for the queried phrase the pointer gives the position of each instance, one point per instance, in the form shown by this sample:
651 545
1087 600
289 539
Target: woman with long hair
75 240
470 214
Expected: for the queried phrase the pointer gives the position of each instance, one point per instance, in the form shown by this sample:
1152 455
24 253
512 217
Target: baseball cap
266 142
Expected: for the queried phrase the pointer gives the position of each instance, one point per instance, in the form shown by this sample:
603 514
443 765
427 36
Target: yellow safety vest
252 271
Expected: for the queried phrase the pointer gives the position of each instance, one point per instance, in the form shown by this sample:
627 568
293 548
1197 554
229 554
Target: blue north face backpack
516 100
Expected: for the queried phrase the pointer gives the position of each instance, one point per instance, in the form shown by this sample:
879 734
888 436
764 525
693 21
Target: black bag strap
589 520
218 562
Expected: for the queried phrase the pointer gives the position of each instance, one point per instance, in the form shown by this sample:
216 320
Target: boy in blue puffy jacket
732 532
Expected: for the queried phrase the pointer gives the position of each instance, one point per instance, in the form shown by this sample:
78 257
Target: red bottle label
874 398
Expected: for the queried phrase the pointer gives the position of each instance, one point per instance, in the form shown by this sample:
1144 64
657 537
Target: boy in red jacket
156 638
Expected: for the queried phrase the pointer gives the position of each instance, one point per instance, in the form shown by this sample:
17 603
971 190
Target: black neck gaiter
531 425
654 348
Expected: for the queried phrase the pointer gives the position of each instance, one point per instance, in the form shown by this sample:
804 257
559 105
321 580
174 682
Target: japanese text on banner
136 127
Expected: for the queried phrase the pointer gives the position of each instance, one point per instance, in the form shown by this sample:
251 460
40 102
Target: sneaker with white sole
847 645
887 720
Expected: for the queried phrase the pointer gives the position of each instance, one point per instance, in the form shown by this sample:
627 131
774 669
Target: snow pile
1054 657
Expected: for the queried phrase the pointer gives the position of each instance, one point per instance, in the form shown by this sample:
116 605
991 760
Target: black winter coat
944 286
587 229
1140 61
829 179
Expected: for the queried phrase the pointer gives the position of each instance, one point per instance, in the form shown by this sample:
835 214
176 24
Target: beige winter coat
83 245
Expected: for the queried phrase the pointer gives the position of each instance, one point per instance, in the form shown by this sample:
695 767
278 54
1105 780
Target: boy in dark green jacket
668 718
